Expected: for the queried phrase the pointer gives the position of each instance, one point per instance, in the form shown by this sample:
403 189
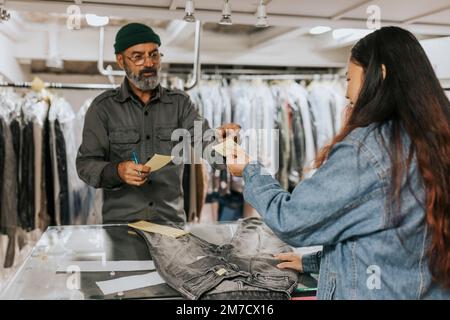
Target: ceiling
286 42
428 12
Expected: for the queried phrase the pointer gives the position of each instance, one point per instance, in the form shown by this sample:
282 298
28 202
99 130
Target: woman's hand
290 260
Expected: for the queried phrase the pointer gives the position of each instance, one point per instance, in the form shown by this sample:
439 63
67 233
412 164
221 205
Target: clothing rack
53 85
245 73
218 74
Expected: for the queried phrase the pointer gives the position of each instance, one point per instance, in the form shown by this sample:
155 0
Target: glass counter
39 277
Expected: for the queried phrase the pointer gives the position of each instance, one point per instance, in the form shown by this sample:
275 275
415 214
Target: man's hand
133 174
229 130
291 261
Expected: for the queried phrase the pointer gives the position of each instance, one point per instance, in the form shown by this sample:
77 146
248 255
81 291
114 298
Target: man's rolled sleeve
110 176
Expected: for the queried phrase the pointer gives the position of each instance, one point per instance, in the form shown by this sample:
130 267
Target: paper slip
228 147
157 228
96 266
158 161
130 283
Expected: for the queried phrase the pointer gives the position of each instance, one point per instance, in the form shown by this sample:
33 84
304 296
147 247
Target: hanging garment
48 172
337 89
298 96
62 175
16 133
226 103
26 195
243 269
54 168
41 218
34 110
298 149
37 141
285 144
76 189
95 213
86 212
321 107
2 162
9 196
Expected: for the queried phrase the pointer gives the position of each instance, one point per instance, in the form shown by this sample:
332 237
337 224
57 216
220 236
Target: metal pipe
249 71
291 77
197 67
100 65
53 85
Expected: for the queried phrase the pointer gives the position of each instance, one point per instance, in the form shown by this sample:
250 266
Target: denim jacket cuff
251 169
311 262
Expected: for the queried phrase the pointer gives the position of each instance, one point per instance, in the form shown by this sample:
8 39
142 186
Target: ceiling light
319 30
96 21
4 15
261 14
349 34
189 9
226 14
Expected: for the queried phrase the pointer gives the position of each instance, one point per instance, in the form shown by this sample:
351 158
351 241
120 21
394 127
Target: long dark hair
411 98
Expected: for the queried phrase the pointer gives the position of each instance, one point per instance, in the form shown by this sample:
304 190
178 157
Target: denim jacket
370 249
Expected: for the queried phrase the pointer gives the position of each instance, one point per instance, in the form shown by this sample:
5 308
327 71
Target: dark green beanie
132 34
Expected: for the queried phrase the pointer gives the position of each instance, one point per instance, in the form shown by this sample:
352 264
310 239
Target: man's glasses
139 59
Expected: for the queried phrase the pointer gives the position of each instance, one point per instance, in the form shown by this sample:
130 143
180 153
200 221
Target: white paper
158 161
96 266
228 147
130 283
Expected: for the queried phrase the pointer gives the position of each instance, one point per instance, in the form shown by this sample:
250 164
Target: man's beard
142 82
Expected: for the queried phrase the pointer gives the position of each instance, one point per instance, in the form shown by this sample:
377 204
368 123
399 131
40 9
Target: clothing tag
157 228
221 272
158 161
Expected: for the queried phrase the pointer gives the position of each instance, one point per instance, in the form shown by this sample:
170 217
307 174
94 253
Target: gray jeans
243 269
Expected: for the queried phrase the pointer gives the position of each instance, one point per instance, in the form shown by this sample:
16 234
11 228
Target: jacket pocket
165 143
123 142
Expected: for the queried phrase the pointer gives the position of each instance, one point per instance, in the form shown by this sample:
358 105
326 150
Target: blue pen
135 159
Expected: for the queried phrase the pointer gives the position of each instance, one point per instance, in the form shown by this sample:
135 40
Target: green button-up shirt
118 123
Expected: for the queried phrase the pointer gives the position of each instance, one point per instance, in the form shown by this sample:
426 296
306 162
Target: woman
379 202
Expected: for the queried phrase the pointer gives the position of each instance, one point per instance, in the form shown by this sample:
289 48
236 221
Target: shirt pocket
164 140
123 142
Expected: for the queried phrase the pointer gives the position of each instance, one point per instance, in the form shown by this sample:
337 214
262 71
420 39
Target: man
137 118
